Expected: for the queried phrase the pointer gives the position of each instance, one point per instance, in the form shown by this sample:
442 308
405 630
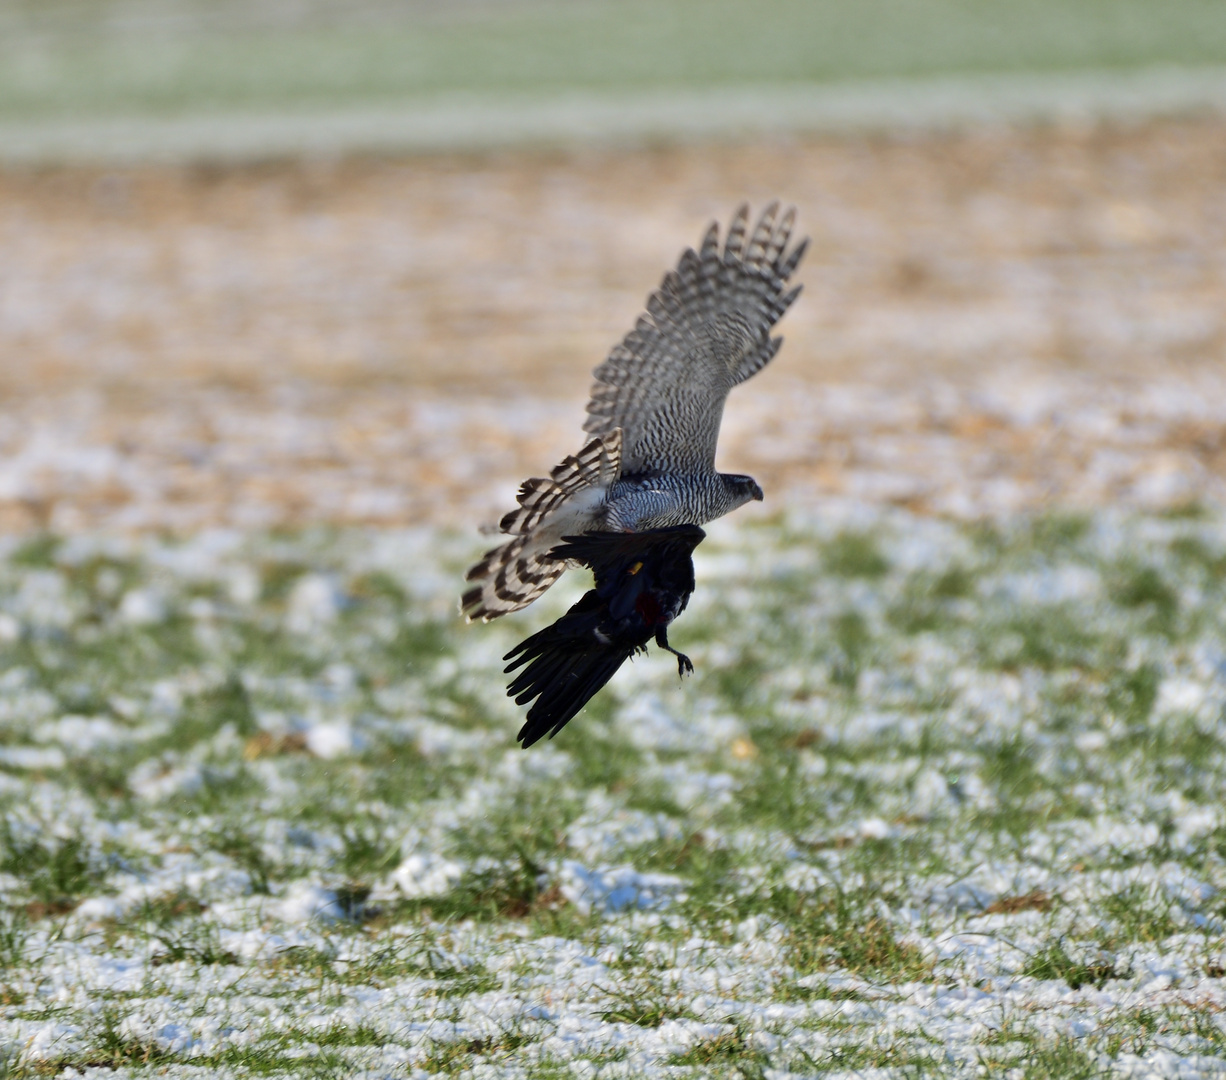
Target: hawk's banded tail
566 503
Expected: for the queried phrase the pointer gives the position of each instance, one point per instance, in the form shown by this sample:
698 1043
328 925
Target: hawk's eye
635 569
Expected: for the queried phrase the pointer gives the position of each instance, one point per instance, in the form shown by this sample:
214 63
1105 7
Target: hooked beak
757 493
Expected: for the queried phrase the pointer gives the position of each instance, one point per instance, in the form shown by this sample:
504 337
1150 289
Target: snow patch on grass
939 799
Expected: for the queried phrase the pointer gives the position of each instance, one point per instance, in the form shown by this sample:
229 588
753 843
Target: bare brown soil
992 321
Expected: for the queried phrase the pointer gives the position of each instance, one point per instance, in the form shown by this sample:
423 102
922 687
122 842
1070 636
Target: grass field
943 798
73 57
940 800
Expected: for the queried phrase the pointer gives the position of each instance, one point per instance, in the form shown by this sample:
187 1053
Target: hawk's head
742 488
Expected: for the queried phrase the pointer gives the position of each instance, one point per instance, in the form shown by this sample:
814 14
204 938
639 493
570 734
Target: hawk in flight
643 582
654 416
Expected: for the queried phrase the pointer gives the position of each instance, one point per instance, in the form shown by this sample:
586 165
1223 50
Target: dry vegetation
993 321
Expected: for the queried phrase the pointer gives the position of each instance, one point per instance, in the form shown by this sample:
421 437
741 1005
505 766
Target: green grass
919 815
1053 962
68 57
54 870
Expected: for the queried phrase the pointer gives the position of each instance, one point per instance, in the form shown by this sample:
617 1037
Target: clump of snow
307 902
32 757
242 584
142 607
315 600
696 789
427 875
603 830
1180 696
616 889
43 600
334 739
83 734
155 780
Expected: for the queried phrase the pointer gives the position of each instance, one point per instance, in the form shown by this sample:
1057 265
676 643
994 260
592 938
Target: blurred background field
138 80
294 294
111 56
232 295
994 320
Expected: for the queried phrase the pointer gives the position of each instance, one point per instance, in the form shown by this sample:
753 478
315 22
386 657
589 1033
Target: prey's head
743 489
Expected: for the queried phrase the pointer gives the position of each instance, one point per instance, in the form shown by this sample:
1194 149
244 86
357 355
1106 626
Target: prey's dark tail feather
562 680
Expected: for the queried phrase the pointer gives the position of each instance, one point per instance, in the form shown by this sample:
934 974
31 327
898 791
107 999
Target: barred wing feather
511 576
706 329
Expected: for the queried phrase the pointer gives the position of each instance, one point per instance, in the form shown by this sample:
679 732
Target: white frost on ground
937 799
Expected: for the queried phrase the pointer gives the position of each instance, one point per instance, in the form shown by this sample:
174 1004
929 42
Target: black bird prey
643 582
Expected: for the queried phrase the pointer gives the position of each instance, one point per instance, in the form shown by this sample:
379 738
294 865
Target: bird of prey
654 414
643 582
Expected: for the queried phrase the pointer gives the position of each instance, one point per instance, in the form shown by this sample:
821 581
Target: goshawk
655 412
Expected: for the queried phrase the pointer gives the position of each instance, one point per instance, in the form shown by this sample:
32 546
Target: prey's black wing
643 582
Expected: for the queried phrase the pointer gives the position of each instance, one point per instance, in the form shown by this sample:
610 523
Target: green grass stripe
474 122
107 57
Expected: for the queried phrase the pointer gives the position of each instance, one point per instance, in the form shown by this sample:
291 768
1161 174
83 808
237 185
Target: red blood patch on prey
647 606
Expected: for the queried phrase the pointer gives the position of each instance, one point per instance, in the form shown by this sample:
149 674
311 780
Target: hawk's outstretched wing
706 329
